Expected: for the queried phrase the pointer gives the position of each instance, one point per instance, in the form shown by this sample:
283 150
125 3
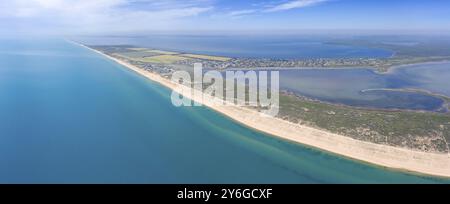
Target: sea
69 115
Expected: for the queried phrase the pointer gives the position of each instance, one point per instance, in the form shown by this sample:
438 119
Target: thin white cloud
109 16
294 5
241 13
272 6
103 15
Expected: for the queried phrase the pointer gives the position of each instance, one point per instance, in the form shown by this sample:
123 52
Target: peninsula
353 137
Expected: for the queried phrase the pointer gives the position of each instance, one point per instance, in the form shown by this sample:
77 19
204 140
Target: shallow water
346 86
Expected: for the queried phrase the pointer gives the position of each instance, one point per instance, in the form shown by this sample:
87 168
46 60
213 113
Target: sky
145 16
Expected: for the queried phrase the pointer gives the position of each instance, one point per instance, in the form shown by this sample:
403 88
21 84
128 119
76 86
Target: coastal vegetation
163 59
424 131
207 57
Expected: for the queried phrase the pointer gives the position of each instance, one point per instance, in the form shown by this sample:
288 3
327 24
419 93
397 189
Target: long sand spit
383 155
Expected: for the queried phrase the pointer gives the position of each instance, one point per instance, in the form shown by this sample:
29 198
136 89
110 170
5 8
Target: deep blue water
346 86
68 115
259 46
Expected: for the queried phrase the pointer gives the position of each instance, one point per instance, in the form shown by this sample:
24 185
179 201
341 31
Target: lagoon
366 88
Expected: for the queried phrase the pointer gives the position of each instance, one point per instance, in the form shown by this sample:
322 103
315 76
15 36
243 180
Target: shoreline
382 155
402 66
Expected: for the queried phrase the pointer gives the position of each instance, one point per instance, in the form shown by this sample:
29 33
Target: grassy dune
425 131
207 57
163 59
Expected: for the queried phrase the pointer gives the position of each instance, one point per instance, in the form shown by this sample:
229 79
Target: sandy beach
382 155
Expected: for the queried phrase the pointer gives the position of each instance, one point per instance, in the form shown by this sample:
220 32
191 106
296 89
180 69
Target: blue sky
141 16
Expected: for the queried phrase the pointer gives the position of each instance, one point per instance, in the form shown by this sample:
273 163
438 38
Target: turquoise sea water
68 115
